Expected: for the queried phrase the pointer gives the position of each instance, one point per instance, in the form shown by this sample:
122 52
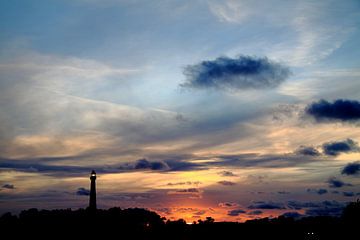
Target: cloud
292 215
348 194
337 183
266 205
228 204
227 183
145 164
181 165
324 208
240 73
227 174
283 192
307 151
8 186
83 192
340 110
261 160
314 205
335 148
184 183
320 191
189 190
325 211
255 212
230 11
235 212
351 168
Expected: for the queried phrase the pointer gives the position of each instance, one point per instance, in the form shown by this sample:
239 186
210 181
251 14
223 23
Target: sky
231 109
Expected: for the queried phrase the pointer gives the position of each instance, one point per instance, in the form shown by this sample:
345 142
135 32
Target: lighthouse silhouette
92 200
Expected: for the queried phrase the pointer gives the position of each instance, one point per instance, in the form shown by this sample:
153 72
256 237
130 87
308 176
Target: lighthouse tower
92 201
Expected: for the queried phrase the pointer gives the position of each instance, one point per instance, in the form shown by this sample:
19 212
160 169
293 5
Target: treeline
136 223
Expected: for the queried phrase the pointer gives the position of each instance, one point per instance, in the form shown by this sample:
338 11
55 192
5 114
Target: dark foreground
136 223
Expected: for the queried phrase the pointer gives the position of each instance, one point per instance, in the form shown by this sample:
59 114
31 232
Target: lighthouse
92 200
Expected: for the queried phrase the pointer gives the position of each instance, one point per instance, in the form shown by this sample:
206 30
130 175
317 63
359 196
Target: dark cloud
244 72
307 151
257 160
351 169
339 110
193 193
180 165
320 191
226 183
8 186
348 194
201 212
228 204
325 208
335 148
39 165
235 212
315 205
266 205
292 215
227 174
325 211
255 212
189 190
164 165
283 192
83 192
337 183
184 183
300 205
167 211
145 164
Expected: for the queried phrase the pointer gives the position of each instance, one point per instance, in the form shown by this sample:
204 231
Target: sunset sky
194 108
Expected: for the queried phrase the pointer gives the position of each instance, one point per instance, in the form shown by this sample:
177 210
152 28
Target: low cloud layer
145 164
325 208
235 212
320 191
339 110
266 205
226 183
240 73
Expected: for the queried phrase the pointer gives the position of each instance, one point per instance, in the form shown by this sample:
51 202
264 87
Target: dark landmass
136 223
